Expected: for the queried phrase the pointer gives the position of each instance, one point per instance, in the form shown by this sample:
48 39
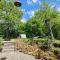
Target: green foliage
56 30
1 42
36 25
33 28
46 12
45 45
10 17
40 40
57 51
56 43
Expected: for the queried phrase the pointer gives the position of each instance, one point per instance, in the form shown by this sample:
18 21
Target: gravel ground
16 56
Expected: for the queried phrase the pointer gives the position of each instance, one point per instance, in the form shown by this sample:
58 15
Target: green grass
41 40
1 42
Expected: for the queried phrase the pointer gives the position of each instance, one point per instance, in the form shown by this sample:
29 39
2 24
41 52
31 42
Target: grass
35 39
40 40
1 42
29 40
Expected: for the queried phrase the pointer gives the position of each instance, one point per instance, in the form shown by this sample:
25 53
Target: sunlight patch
23 20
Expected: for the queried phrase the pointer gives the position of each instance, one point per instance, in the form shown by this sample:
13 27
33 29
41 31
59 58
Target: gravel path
16 56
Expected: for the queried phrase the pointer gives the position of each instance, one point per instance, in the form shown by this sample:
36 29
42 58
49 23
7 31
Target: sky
30 6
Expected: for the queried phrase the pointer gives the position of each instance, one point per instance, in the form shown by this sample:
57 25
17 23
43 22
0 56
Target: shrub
51 58
40 40
57 51
44 46
56 43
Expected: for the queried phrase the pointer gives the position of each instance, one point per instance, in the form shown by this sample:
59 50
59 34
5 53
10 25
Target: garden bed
34 50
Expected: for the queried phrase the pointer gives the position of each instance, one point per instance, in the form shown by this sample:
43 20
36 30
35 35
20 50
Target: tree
10 16
33 28
56 30
46 17
49 16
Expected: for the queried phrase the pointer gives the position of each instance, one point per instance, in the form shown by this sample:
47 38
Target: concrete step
8 46
8 50
8 43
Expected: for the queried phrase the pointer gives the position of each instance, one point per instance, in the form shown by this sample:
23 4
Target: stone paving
16 56
8 53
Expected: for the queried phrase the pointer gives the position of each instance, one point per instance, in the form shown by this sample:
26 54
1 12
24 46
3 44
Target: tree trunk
7 33
50 34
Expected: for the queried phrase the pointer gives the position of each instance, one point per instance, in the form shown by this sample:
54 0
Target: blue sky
30 6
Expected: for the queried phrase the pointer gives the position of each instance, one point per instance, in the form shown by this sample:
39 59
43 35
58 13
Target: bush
56 43
57 51
44 46
51 58
41 40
